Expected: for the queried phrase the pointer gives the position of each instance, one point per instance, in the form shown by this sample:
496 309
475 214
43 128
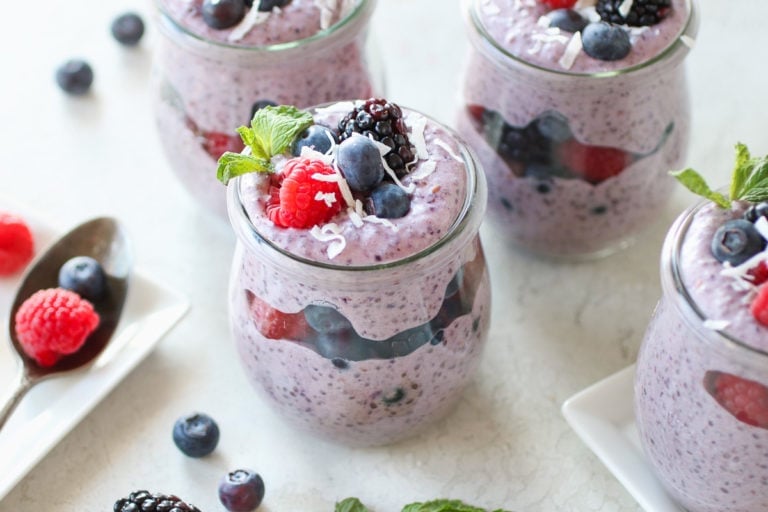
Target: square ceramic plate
603 417
53 407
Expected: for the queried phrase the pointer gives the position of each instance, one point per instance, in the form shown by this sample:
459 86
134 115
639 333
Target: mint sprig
749 180
271 132
354 505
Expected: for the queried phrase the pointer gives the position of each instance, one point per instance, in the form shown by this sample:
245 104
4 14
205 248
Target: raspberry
759 274
16 244
593 163
642 13
759 307
300 201
558 4
745 399
273 323
52 323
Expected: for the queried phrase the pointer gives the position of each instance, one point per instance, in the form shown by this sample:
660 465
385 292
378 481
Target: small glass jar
363 355
206 89
576 161
708 455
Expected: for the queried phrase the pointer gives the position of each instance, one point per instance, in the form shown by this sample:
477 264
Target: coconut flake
572 51
330 232
425 170
445 147
335 108
417 137
253 18
761 225
543 21
327 10
378 220
625 7
716 325
491 9
327 197
584 3
688 41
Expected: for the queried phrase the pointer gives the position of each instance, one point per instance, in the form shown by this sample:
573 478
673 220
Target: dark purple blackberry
144 501
383 121
642 12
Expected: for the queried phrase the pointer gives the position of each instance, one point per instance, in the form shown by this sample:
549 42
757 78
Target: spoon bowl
103 239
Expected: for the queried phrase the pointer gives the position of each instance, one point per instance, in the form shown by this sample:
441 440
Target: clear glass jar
206 89
576 162
363 355
709 456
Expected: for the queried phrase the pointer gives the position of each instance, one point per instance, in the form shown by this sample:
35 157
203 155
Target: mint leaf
443 506
232 165
694 182
350 505
274 128
741 171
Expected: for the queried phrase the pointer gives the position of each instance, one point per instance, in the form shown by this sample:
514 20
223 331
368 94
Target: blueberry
75 76
756 211
553 126
84 276
196 435
736 241
360 162
348 346
317 137
567 19
128 28
326 320
258 105
267 5
389 201
221 14
604 41
405 342
241 490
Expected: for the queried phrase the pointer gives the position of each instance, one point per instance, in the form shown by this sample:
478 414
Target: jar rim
673 286
678 45
360 13
467 220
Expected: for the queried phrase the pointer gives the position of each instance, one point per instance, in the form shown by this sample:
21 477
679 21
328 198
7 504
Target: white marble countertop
556 328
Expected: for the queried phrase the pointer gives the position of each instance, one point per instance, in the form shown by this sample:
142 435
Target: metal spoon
104 240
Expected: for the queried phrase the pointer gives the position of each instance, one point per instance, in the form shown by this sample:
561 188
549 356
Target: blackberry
642 13
383 121
144 501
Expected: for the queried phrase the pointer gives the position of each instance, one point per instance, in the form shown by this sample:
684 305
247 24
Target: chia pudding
701 399
381 318
210 80
575 147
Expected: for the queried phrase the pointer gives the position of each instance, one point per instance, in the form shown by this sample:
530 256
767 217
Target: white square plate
53 407
603 417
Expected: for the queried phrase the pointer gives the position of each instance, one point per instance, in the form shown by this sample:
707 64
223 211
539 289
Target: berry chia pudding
218 62
701 391
591 113
359 295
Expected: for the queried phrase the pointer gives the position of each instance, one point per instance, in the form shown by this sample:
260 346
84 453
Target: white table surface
556 328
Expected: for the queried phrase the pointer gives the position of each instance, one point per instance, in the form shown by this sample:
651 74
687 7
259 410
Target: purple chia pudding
210 81
380 321
701 400
575 148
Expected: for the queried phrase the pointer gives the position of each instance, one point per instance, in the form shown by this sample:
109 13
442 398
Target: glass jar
362 354
576 161
206 89
708 453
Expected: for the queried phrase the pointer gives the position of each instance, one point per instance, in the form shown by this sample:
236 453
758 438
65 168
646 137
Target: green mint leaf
694 182
274 128
753 174
350 505
741 171
443 506
232 165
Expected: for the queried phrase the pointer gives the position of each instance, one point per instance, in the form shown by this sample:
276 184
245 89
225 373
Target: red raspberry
216 144
593 163
746 399
558 4
759 274
759 307
52 323
273 323
302 201
16 244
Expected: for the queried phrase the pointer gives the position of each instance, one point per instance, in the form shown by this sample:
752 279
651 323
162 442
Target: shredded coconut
417 137
572 50
330 232
253 18
340 107
445 147
327 9
491 9
584 3
378 220
425 170
327 197
716 325
688 41
625 7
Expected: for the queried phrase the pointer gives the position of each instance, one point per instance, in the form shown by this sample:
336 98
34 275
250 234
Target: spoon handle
21 385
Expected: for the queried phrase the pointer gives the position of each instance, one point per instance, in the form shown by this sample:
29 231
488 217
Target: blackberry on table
383 121
642 13
144 501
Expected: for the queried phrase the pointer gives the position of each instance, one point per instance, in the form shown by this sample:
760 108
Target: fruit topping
756 211
567 20
736 241
558 4
383 121
388 201
196 435
273 323
221 14
127 29
241 490
52 323
593 163
636 13
604 41
326 320
360 162
745 399
758 274
16 244
84 276
302 199
317 137
75 76
144 501
759 306
268 5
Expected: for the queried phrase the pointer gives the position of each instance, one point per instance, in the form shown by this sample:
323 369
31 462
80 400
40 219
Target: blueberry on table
736 241
196 435
128 28
84 276
604 41
221 14
241 490
317 137
567 20
389 201
360 162
75 76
